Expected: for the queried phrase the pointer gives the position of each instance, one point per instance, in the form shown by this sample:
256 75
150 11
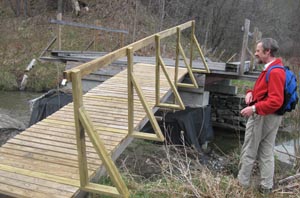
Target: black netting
48 104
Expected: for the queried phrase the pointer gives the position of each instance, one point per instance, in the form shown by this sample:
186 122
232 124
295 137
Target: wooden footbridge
64 154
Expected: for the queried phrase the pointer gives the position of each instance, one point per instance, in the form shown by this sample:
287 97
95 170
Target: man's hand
248 98
247 111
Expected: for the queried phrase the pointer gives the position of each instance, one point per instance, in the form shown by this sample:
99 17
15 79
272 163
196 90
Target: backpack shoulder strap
270 69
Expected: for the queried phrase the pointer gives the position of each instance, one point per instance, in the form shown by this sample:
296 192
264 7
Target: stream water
287 144
14 113
16 104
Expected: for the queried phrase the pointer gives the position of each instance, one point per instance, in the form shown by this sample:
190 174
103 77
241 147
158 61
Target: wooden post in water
255 39
96 34
121 36
244 47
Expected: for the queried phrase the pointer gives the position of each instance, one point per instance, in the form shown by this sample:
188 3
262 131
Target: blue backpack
290 90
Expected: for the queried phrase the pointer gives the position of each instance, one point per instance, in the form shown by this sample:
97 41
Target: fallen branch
294 156
286 193
293 177
287 189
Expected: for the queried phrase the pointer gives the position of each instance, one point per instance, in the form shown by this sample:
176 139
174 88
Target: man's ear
267 51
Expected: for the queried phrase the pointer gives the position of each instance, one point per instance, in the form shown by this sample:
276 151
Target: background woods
219 21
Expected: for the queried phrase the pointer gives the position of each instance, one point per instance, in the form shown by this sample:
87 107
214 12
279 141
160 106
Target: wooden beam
232 75
149 112
61 22
171 31
103 154
48 46
178 99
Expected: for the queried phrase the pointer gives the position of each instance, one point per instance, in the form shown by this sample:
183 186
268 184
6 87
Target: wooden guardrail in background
60 23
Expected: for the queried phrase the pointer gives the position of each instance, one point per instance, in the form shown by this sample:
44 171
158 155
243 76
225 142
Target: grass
153 170
161 170
242 85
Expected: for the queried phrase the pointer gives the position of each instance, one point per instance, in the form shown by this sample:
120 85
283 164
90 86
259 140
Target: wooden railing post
157 69
206 70
188 67
80 135
160 63
192 44
130 89
177 56
121 189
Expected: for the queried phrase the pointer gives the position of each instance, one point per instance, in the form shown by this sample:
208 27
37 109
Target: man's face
261 55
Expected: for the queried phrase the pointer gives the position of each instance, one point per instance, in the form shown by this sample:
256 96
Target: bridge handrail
84 124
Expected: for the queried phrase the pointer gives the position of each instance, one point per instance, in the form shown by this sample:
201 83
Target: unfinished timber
48 148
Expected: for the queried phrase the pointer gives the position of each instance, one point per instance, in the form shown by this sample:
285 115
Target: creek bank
7 122
9 127
14 113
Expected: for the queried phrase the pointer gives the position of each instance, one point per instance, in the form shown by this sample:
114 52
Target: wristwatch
253 108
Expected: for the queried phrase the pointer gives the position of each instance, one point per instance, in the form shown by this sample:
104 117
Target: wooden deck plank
37 188
38 181
50 148
59 155
69 137
15 191
108 140
95 110
69 130
102 129
47 156
40 166
53 143
98 115
66 160
103 120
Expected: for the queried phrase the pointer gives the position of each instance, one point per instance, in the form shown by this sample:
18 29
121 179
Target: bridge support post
130 90
80 135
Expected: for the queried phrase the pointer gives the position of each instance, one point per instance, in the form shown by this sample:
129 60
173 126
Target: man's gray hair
270 44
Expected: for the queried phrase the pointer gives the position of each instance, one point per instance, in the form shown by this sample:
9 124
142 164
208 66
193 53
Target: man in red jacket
262 125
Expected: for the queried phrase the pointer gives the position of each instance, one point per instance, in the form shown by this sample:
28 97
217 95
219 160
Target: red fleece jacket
268 97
